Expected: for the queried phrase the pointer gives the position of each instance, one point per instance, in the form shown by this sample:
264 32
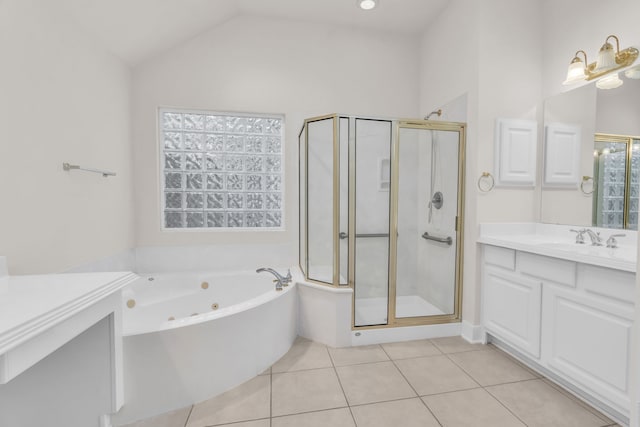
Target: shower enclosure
381 204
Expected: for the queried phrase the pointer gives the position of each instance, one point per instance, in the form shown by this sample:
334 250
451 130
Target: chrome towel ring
587 179
490 182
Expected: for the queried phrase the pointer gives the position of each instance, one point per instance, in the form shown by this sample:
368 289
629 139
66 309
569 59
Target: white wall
266 65
64 99
492 53
572 25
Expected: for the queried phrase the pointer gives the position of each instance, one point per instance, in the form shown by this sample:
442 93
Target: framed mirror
606 124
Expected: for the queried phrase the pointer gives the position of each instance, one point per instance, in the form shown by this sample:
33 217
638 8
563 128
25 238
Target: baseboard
105 421
473 333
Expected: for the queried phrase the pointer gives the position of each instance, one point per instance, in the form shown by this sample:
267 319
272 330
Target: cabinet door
511 309
587 340
515 152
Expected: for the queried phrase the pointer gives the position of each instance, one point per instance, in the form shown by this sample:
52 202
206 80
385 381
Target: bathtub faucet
280 280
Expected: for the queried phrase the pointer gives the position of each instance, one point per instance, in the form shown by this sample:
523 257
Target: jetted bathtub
191 336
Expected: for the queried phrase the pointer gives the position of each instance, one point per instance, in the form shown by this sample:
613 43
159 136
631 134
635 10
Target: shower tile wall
613 185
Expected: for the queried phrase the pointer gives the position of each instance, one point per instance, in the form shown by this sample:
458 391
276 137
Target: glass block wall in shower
221 170
612 182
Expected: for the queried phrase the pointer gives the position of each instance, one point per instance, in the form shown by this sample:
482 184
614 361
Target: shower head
436 112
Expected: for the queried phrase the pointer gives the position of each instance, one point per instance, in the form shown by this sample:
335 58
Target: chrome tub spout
280 280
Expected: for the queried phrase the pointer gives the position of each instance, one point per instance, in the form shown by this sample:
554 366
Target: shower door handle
344 235
448 240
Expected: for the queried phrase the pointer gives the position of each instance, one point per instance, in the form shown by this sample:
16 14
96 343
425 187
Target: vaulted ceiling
139 29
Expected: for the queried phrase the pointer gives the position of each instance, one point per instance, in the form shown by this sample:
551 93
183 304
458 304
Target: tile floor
438 382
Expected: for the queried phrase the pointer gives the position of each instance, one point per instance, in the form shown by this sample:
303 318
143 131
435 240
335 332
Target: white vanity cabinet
511 301
586 333
571 319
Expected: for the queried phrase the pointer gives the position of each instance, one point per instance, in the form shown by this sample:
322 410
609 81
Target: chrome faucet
580 235
596 240
612 242
280 280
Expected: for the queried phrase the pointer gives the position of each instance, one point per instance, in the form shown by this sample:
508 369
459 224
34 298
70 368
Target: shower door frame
392 320
335 185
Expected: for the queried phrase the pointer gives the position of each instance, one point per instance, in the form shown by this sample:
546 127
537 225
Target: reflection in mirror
597 113
616 169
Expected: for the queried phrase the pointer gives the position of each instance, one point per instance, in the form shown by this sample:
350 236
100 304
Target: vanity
60 347
564 308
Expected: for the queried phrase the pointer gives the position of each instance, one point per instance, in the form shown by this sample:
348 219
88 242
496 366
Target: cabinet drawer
501 257
608 283
555 270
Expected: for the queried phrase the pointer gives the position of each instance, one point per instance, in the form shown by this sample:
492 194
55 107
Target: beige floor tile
491 367
333 417
257 423
175 418
540 405
405 413
435 374
249 401
470 408
608 421
373 382
455 345
408 349
305 391
355 355
304 354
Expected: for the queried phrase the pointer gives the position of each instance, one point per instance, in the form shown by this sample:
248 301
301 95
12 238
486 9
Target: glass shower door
372 152
425 276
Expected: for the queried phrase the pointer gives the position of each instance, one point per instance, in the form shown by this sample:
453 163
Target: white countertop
559 242
31 304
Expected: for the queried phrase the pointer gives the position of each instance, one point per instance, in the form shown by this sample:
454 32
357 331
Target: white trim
475 334
105 421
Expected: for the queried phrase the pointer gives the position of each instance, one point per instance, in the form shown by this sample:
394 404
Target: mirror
606 128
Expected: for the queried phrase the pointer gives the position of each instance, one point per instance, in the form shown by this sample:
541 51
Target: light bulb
609 82
606 59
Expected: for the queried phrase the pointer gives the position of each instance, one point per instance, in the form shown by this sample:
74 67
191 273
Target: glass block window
221 170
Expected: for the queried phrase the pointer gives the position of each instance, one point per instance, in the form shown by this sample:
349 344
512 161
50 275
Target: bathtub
190 336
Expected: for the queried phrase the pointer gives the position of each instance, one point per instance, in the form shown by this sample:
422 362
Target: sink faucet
280 280
596 240
580 235
612 242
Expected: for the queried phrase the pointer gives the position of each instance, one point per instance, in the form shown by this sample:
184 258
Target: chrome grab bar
344 235
448 240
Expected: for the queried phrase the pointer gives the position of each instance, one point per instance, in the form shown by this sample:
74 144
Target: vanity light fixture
633 73
577 69
367 4
609 82
609 60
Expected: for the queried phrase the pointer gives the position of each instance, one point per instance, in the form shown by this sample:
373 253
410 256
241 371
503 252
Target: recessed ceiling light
367 4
